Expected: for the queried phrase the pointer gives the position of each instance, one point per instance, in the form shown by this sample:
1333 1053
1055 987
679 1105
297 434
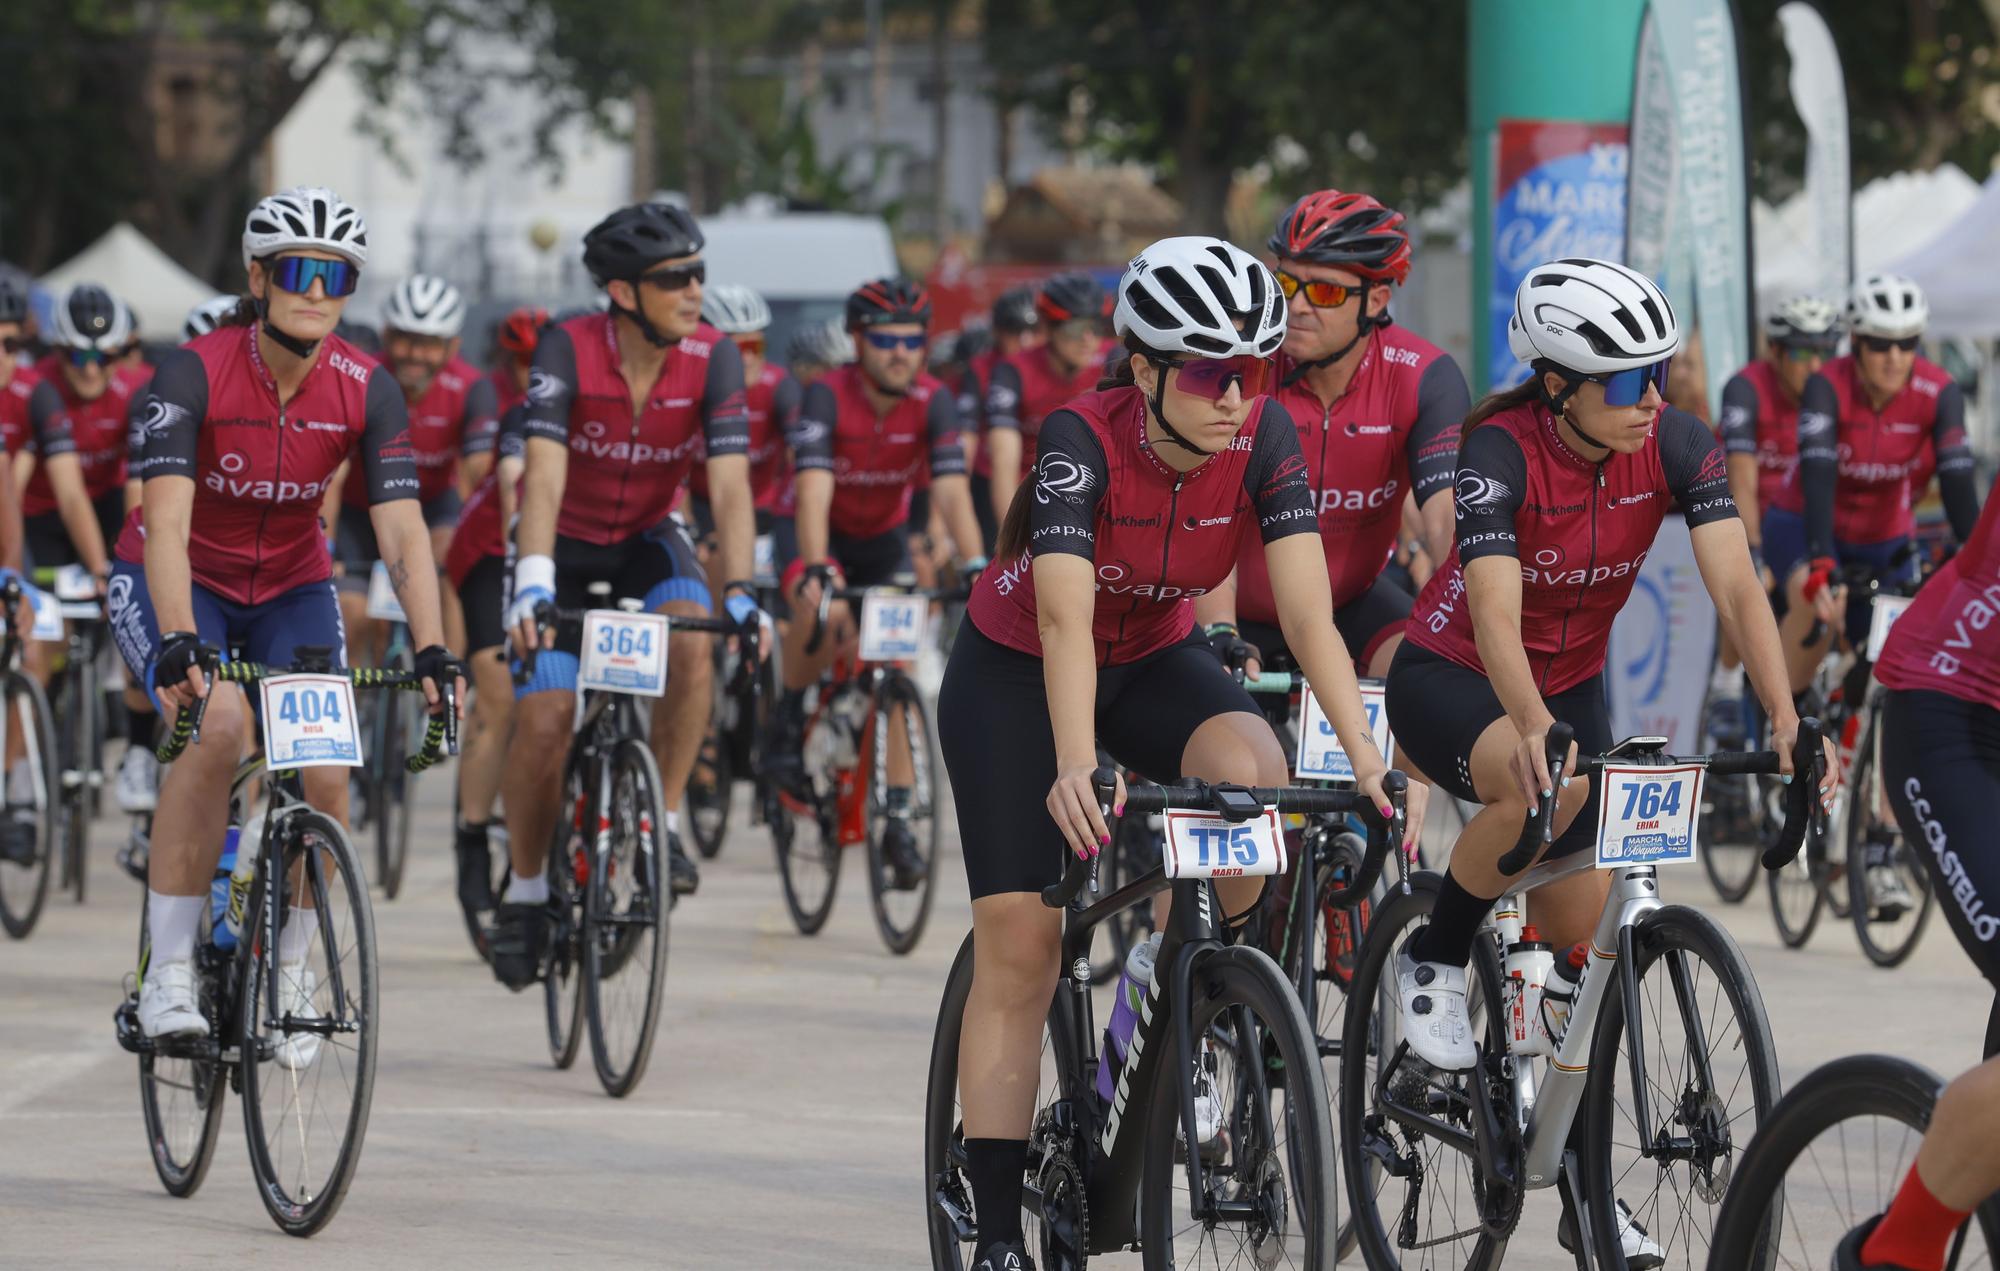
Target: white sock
301 925
1725 681
527 891
171 924
673 823
21 784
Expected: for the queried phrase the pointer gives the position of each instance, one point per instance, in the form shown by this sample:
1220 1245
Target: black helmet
888 300
974 340
1066 297
90 317
13 294
633 239
1014 311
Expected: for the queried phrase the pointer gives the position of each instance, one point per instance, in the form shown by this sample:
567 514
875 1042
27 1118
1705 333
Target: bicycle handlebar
440 734
827 595
547 616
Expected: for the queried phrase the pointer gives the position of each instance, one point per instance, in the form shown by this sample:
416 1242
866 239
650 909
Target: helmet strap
638 318
1559 402
1366 323
291 344
1159 407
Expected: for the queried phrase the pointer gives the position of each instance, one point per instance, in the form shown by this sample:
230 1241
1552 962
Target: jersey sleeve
169 432
48 422
1697 474
135 432
509 439
1492 482
1956 487
971 398
785 399
389 465
1276 479
1003 396
551 387
725 414
1740 408
1071 475
947 456
811 434
481 421
1819 461
1443 402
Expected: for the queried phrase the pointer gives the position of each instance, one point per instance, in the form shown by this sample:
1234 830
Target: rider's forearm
1069 674
541 497
169 582
735 511
1219 605
78 517
406 553
1744 611
1305 614
1440 520
1506 661
815 503
953 500
508 487
11 532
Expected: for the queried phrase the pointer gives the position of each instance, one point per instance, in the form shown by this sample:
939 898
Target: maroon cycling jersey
1579 528
479 533
31 414
626 471
97 430
875 460
1948 640
1395 429
771 402
1157 537
1021 391
458 415
972 390
1760 418
1852 483
260 469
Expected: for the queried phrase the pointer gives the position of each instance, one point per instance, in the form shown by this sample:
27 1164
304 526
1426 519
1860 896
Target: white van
804 263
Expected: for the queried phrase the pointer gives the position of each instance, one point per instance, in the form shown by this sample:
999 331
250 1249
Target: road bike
28 778
77 699
386 787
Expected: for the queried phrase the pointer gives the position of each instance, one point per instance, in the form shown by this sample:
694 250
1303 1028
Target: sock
899 800
20 783
995 1167
527 891
1454 925
301 926
472 833
673 823
171 924
1725 681
139 728
1915 1232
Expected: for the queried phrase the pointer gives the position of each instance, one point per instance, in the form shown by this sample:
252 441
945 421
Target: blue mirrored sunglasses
296 273
884 341
87 357
1628 388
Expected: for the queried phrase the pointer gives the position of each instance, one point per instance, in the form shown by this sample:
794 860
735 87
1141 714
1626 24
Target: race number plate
1647 815
309 722
1202 845
1887 610
383 606
48 615
1320 757
73 582
624 652
892 626
764 562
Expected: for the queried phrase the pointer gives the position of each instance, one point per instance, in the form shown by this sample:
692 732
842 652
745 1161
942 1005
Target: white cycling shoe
138 782
296 982
167 1002
1642 1252
1435 1022
1888 895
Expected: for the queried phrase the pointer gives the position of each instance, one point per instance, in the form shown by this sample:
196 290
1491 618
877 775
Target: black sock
1453 926
472 832
996 1168
139 728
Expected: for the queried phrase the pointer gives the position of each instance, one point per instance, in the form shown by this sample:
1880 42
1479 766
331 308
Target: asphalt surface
779 1124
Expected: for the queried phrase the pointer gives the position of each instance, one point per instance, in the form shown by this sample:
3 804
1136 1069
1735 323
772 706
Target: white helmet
734 309
424 304
1594 317
827 343
309 217
89 317
1804 320
1202 296
1888 305
207 316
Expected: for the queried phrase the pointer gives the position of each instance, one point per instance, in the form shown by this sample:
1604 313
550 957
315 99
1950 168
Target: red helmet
520 329
1347 231
1072 295
887 300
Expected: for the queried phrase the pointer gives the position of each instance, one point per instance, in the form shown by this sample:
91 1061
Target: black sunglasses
1882 344
676 277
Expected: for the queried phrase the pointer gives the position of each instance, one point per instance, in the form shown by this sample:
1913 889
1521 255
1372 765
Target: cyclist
817 348
1377 410
514 353
74 501
28 407
244 430
770 396
1082 634
207 316
620 406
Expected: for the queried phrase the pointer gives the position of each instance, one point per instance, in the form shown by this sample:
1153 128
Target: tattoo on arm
399 577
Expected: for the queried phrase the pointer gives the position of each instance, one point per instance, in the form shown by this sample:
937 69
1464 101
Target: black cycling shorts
1000 752
876 561
1365 623
982 508
354 537
47 540
483 597
701 515
1941 768
657 567
1438 709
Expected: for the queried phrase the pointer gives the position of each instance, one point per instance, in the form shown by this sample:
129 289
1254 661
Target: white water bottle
1527 971
249 844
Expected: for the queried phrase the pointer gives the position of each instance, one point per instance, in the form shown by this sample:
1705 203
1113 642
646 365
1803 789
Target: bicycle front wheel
562 987
900 895
808 864
393 788
26 857
308 1024
76 762
1888 888
1271 1144
180 1086
1798 895
625 923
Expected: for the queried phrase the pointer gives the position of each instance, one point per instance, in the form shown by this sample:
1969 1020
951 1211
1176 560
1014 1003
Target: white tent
1893 216
139 273
1955 270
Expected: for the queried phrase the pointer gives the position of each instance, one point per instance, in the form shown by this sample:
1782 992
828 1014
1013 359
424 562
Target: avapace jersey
1021 391
771 402
972 390
1158 537
1852 484
479 533
625 471
1579 528
458 415
875 459
261 469
97 430
1394 429
1760 418
31 414
506 391
1948 640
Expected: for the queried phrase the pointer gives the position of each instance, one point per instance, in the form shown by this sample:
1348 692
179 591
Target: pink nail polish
1119 810
1104 840
1388 811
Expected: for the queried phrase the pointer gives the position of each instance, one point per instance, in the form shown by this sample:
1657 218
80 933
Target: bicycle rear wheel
24 882
73 768
808 864
1734 813
562 986
1798 895
180 1086
1888 932
309 1054
708 790
625 923
394 792
901 912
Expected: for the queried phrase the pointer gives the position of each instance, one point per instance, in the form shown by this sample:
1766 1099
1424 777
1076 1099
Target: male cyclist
1023 388
817 348
1016 328
770 397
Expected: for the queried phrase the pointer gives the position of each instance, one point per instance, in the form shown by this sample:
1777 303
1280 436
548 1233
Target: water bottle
248 844
219 932
1559 994
1527 972
1133 986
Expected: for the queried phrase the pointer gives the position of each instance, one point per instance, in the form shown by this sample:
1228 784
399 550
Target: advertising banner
1819 93
1662 645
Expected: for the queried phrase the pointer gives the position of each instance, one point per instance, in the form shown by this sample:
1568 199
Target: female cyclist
1081 632
243 433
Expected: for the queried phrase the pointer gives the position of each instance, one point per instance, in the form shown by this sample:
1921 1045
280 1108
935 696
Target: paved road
779 1124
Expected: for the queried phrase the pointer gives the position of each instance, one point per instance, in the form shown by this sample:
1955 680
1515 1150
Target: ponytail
243 315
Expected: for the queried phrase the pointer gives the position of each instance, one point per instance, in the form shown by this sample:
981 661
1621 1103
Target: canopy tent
1893 216
137 272
1955 270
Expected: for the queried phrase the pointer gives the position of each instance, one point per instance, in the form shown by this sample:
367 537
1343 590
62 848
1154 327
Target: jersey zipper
264 517
1583 588
625 477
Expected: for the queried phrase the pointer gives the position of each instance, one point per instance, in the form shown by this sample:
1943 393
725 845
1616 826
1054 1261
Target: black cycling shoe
475 869
519 943
1847 1256
781 758
682 875
907 867
1012 1256
19 830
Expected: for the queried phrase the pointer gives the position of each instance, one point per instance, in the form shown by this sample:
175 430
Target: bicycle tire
24 889
708 795
799 866
73 804
1246 979
181 1173
562 985
1732 867
1795 910
1862 795
1658 938
901 925
393 795
313 841
619 940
